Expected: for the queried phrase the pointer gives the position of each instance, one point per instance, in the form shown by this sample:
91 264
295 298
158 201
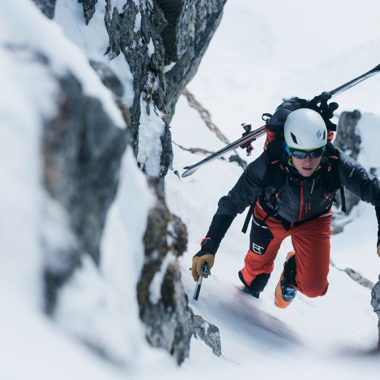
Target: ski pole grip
204 270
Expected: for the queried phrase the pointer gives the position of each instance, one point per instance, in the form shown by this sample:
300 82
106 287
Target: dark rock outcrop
191 24
108 77
47 7
348 139
88 9
356 276
176 32
162 299
82 149
152 35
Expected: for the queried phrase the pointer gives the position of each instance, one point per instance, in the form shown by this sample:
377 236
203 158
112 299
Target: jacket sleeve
356 179
244 193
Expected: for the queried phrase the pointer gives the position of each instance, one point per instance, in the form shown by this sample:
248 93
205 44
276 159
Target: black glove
319 104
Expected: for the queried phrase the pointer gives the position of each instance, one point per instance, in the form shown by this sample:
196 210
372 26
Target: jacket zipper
301 202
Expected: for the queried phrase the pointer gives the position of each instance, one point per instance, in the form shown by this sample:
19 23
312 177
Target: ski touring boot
256 286
246 290
285 292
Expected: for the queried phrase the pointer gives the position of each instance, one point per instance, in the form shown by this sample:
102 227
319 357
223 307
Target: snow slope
327 334
263 52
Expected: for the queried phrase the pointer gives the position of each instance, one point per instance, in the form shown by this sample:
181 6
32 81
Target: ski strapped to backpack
249 136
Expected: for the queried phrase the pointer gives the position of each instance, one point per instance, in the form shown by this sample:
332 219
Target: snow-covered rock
90 78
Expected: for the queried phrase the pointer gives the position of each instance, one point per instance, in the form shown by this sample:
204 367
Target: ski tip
188 171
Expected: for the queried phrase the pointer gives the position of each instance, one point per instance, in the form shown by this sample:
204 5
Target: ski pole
250 136
204 270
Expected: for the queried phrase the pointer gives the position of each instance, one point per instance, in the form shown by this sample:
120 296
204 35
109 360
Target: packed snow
151 130
261 53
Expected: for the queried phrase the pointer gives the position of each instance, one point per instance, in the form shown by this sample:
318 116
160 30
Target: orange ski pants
311 242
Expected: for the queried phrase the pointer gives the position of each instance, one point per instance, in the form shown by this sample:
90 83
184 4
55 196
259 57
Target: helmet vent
294 138
324 135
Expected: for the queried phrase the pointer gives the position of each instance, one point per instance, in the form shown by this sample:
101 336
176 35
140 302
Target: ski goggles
302 154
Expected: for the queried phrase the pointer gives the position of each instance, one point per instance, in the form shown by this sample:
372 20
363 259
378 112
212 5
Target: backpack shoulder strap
330 173
274 175
276 172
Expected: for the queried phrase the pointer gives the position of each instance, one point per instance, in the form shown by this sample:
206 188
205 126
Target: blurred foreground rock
161 43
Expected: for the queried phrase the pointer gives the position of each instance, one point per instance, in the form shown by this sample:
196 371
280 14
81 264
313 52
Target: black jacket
293 199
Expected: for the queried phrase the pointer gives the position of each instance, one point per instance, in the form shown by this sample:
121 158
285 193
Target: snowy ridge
151 130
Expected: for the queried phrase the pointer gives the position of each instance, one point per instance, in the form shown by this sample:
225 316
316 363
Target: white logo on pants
257 249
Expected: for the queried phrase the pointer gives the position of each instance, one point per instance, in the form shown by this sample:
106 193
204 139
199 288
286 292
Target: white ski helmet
305 129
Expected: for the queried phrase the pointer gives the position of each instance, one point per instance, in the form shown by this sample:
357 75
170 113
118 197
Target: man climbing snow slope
291 187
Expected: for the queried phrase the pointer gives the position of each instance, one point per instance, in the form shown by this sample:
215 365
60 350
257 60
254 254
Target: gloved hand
198 261
319 104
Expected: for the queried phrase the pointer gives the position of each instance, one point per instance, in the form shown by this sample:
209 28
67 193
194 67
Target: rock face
46 6
375 302
348 139
170 32
171 323
152 35
162 43
186 38
82 150
88 8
